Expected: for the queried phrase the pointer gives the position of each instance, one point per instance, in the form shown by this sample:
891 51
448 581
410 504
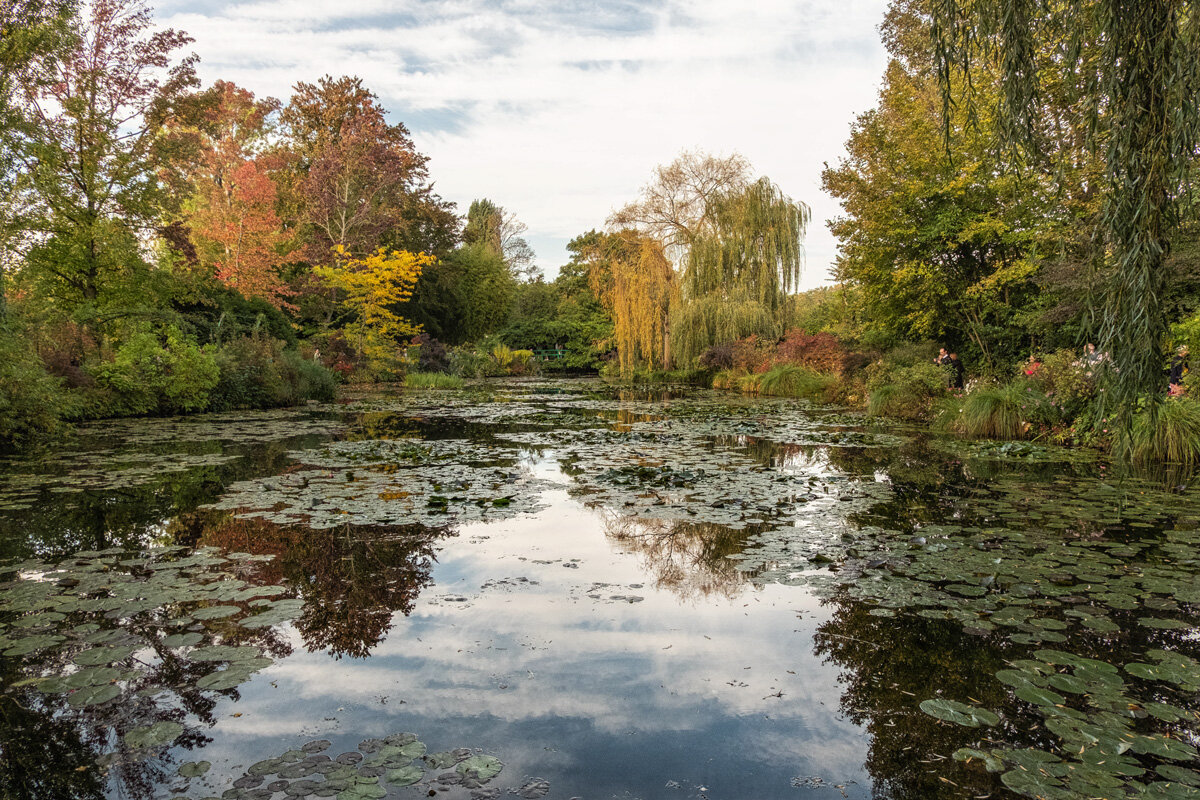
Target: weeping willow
637 285
1136 67
740 269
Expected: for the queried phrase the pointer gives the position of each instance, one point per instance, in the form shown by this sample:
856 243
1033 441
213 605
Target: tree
233 219
372 287
31 32
500 230
1137 66
936 243
354 180
675 207
92 153
735 246
739 269
630 275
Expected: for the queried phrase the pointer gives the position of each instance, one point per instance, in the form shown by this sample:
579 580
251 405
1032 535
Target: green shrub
467 363
1009 411
432 380
1171 434
1065 381
904 391
150 376
32 402
259 372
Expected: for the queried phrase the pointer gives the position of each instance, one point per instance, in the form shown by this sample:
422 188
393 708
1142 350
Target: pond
559 589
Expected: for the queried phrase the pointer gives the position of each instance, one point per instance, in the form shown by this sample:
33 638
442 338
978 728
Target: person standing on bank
958 372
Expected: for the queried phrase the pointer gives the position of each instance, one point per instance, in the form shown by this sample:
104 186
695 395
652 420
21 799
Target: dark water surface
616 595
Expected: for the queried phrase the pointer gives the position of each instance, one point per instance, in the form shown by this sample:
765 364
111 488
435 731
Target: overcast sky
559 110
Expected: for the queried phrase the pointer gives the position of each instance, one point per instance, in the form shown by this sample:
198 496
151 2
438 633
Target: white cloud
559 111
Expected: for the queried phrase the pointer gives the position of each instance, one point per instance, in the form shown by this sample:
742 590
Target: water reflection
352 580
614 655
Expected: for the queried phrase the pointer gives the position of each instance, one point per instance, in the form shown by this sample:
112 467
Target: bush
149 376
821 351
467 363
32 401
1064 379
904 391
790 380
433 356
432 380
258 372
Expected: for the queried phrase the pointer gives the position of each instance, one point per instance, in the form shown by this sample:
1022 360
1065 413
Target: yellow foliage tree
371 287
633 280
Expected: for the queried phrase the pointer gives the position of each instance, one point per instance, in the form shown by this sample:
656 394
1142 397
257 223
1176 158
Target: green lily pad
156 735
958 713
193 769
481 768
93 695
404 776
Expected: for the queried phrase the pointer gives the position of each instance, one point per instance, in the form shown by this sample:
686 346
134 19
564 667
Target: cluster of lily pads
366 773
1096 715
390 482
103 625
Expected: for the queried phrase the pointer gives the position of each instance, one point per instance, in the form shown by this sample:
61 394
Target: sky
559 110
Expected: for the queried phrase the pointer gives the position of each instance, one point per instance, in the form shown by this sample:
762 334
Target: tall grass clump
432 380
1170 433
1006 411
793 380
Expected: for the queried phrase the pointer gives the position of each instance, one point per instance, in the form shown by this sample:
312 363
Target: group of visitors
1089 361
955 371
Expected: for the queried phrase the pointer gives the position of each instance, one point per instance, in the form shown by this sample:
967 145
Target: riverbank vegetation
169 248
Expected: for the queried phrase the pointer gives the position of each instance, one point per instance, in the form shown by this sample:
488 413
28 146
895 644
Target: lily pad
959 713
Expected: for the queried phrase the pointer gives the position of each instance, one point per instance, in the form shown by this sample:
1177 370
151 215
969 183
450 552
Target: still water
599 594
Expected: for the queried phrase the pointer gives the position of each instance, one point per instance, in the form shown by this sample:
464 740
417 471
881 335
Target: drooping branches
1134 69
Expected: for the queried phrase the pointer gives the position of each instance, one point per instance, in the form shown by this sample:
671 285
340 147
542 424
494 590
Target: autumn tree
734 245
234 223
92 151
371 288
355 180
631 276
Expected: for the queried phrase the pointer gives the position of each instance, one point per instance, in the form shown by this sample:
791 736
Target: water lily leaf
1036 784
958 713
482 768
193 769
93 695
223 679
1068 683
182 640
222 652
215 612
404 776
1039 696
31 644
158 734
1174 773
990 762
1164 747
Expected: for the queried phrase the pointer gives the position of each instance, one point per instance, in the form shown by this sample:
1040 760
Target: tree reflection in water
351 579
686 558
